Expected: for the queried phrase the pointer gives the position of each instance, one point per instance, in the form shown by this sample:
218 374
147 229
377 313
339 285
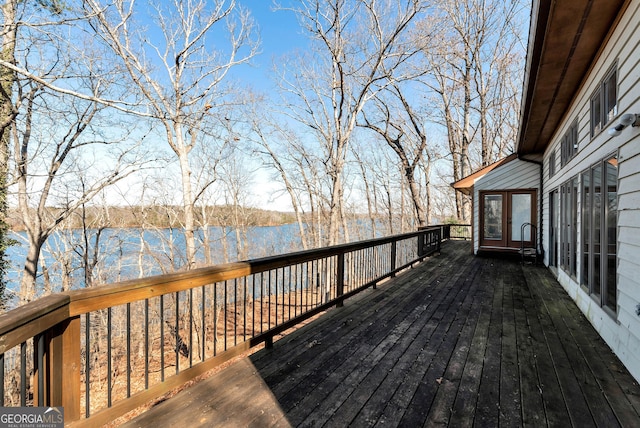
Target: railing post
340 280
393 258
63 368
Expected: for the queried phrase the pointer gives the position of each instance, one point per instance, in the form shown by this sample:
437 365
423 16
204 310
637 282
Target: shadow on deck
458 341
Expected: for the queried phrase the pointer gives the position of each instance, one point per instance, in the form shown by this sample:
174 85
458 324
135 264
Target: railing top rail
32 319
100 297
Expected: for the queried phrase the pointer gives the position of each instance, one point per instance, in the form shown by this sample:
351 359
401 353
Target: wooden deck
458 341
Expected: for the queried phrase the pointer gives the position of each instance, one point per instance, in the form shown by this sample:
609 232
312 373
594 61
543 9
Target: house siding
622 330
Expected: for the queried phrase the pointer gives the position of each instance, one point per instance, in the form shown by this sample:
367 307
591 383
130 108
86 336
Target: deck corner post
63 373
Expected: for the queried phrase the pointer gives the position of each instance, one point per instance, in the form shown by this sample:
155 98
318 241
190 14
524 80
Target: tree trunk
187 198
29 275
206 236
368 191
7 116
334 208
416 198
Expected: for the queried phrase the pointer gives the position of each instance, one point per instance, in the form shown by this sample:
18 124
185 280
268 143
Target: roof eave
565 38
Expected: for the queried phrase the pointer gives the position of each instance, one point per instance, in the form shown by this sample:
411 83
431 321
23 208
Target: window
586 226
604 102
552 164
569 145
596 114
568 225
600 224
554 224
610 93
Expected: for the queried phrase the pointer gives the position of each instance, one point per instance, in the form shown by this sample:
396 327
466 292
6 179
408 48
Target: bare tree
206 167
235 183
472 67
306 170
286 160
357 45
11 22
55 136
52 152
159 247
182 77
386 188
369 194
403 129
7 116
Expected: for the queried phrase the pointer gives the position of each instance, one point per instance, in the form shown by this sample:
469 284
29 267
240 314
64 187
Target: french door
502 214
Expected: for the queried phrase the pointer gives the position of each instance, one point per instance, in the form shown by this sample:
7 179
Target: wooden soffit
565 38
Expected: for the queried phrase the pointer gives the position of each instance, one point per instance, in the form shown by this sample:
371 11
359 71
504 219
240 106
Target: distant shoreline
156 216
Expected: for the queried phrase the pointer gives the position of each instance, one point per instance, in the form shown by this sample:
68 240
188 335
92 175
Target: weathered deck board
458 341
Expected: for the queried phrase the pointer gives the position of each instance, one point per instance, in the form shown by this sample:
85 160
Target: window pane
596 213
574 227
493 217
566 227
563 227
553 233
612 232
520 214
610 97
596 114
586 226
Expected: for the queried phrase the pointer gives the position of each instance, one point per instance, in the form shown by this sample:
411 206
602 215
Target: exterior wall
517 174
622 330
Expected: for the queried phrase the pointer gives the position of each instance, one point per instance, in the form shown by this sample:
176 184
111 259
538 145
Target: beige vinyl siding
621 332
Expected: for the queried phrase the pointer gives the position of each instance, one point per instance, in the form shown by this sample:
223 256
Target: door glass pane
520 214
493 217
612 226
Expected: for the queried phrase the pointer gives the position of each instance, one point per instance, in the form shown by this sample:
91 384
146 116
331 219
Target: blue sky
279 34
279 29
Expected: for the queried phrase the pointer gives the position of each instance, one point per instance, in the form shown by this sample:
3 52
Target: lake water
130 253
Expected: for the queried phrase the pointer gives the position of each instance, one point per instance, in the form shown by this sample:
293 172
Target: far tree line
160 217
142 102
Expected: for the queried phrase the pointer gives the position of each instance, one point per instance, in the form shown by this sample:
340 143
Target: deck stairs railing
102 352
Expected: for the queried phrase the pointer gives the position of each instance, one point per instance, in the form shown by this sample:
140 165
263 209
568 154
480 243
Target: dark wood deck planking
458 341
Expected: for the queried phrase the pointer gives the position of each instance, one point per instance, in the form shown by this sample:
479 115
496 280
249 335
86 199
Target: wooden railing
459 231
103 351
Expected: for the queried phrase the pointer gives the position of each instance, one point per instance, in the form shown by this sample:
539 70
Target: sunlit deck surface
459 341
